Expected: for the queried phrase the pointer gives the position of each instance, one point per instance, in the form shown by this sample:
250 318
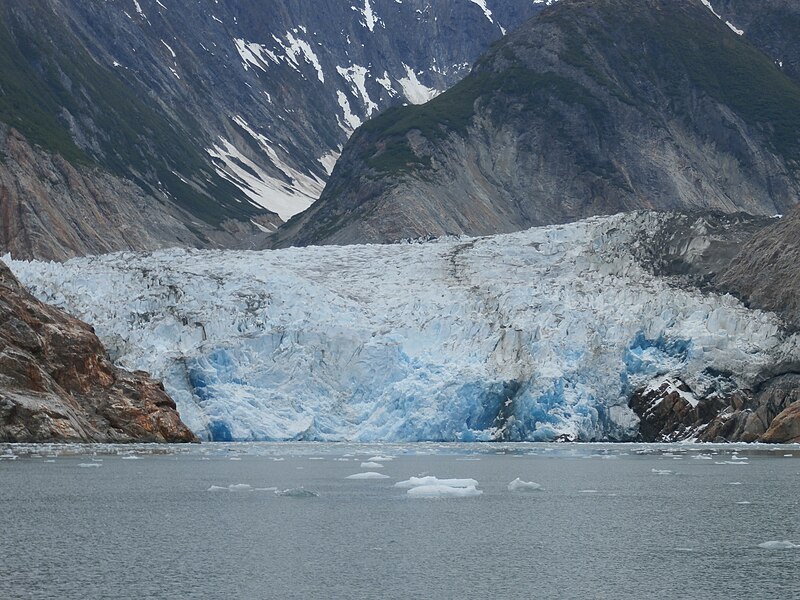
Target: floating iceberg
524 486
434 481
371 465
535 335
297 493
779 545
368 475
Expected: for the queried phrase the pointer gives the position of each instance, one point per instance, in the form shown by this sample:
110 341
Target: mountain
57 384
593 107
138 124
578 332
771 25
766 273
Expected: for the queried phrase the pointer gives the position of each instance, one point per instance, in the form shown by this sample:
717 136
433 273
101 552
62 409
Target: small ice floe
744 502
50 460
299 492
433 487
371 465
315 458
234 458
380 459
469 459
661 472
737 457
266 489
234 487
131 457
8 457
779 545
587 491
89 465
431 480
368 475
443 491
240 487
524 486
788 456
731 462
703 457
342 459
278 459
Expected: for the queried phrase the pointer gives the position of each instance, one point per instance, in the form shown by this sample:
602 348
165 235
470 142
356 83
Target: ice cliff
536 335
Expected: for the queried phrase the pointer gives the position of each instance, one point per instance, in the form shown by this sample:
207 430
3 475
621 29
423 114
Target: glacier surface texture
536 335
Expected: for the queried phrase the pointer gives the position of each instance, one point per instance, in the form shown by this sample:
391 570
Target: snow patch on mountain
484 8
370 18
414 91
287 195
356 75
527 336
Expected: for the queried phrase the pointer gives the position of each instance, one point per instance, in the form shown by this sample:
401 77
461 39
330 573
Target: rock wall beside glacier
538 335
57 384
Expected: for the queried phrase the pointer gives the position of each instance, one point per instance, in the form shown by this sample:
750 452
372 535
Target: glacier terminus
538 335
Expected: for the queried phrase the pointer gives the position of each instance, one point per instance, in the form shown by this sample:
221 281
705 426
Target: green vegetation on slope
46 73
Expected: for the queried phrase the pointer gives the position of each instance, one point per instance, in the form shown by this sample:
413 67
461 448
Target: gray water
605 526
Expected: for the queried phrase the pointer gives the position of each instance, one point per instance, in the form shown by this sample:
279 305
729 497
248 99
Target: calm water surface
613 521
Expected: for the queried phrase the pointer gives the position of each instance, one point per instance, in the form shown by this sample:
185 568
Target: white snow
370 18
735 29
289 50
328 161
371 465
671 386
554 326
707 4
443 491
524 486
414 91
368 475
356 75
287 198
486 11
351 121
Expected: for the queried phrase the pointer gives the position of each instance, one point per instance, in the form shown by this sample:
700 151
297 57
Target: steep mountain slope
204 116
771 25
593 107
57 384
538 335
766 273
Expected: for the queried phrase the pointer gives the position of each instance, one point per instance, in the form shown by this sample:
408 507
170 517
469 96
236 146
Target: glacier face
528 336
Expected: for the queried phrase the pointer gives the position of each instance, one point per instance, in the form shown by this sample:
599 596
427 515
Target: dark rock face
670 412
211 122
56 383
766 273
592 107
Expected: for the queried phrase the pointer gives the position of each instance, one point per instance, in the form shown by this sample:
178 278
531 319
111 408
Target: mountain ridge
565 118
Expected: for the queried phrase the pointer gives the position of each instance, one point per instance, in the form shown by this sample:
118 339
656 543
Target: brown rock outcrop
57 384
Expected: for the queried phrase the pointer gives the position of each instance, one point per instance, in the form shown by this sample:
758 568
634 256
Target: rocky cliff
766 273
155 123
57 384
592 107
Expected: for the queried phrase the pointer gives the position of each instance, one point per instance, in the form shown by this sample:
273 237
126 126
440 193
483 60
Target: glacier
537 335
